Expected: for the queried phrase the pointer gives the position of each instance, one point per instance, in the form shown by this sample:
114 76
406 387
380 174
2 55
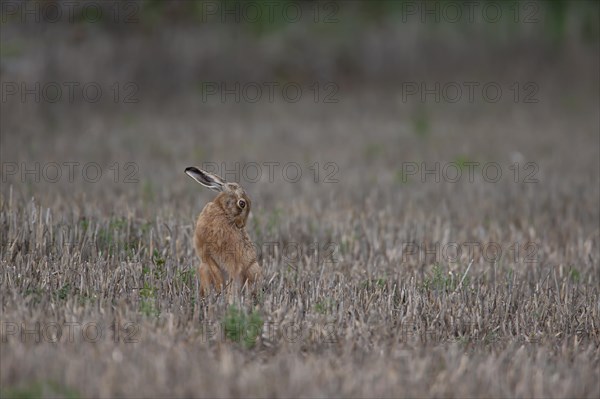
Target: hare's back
209 226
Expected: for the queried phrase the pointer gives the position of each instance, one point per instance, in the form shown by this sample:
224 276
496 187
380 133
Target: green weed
241 327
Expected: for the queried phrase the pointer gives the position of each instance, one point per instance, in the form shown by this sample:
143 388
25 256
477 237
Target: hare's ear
205 178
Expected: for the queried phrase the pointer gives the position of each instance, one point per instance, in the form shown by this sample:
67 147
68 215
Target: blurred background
374 131
106 103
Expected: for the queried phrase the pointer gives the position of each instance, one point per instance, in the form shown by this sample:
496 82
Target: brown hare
225 250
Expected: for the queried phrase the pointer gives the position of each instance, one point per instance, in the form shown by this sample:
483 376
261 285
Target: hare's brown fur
221 241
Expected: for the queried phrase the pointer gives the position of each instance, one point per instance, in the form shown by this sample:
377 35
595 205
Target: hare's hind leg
210 276
205 279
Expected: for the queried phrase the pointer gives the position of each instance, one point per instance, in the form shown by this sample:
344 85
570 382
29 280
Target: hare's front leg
251 274
210 276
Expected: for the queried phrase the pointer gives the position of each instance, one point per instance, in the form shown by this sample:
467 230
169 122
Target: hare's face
232 198
235 204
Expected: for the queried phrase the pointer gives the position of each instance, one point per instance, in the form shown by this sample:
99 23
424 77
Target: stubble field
409 249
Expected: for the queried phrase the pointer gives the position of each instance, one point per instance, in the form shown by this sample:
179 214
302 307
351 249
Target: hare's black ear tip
191 169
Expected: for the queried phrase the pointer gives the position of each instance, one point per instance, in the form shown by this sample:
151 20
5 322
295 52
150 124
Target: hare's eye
242 203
